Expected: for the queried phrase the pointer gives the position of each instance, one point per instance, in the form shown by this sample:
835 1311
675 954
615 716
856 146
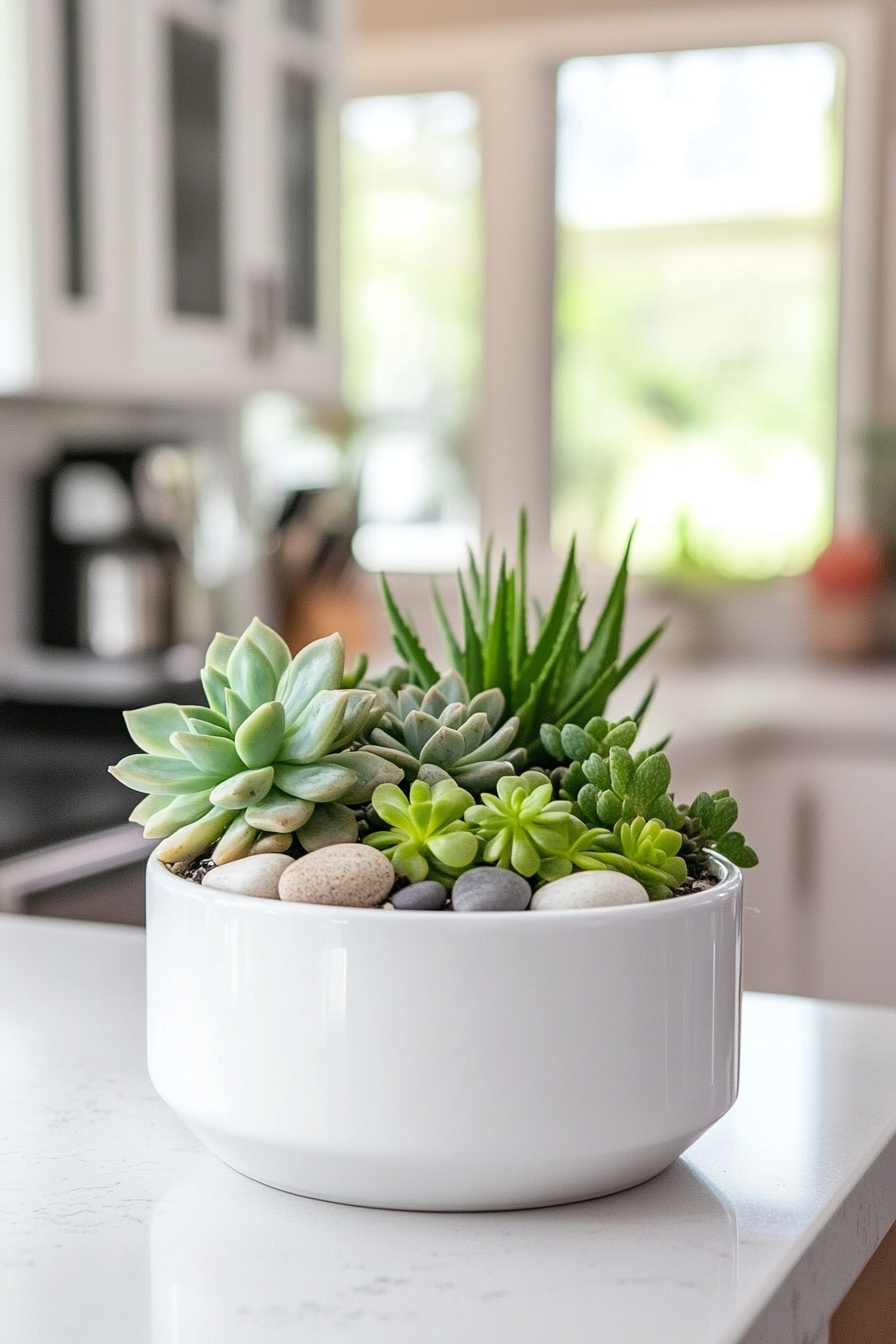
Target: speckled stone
421 896
588 890
339 875
257 875
482 889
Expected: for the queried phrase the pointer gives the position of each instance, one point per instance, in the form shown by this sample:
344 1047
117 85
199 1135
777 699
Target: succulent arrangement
504 763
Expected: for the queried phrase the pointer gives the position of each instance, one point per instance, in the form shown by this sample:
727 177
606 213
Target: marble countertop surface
115 1225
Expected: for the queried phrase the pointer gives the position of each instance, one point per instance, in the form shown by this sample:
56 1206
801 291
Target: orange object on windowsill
846 586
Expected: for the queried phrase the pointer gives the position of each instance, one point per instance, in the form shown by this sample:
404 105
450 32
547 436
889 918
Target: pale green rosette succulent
268 756
442 734
644 850
427 836
521 827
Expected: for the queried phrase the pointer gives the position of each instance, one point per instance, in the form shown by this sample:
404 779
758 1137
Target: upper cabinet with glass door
63 225
181 238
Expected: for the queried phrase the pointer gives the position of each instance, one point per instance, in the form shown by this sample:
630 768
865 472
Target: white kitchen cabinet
823 900
170 227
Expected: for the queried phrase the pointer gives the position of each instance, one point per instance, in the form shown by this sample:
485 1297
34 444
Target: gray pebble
490 889
421 896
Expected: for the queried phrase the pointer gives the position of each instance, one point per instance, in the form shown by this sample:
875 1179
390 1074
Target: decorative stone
257 875
339 875
588 890
421 896
482 889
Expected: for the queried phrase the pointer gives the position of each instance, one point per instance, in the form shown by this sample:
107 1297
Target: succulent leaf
370 771
316 783
317 728
182 810
191 840
214 683
280 812
259 738
331 824
161 774
236 842
219 651
237 710
274 648
211 755
250 673
151 728
243 789
317 667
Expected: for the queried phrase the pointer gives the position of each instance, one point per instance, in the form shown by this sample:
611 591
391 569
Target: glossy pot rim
730 883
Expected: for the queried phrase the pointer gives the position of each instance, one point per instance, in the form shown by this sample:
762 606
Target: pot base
382 1181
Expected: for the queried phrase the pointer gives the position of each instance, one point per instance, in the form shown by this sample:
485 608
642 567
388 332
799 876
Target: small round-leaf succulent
247 771
707 823
427 836
646 851
521 825
443 734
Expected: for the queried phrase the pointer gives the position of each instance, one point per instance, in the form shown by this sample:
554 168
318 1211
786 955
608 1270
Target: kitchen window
695 385
680 333
412 266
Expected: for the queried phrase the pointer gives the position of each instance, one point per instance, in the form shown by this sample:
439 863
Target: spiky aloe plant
247 771
442 734
556 679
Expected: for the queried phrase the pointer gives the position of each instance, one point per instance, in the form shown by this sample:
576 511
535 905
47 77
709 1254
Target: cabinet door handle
264 314
806 831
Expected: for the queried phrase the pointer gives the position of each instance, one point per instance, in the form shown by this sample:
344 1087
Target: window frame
511 69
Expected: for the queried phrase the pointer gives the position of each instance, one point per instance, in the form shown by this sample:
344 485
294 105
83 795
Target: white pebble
587 890
257 875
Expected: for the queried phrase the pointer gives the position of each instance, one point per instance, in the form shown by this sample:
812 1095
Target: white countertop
116 1227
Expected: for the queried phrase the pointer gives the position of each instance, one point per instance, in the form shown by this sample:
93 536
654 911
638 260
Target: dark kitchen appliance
106 571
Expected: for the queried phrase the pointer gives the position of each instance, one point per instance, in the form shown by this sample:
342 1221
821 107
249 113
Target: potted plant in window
437 941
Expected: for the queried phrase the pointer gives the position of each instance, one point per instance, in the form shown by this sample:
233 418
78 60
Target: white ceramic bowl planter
441 1060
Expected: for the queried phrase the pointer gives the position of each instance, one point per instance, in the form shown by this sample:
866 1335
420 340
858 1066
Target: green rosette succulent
247 771
442 734
644 850
427 836
522 825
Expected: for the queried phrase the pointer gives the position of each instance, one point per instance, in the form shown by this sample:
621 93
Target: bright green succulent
442 734
646 851
247 771
427 836
556 680
522 826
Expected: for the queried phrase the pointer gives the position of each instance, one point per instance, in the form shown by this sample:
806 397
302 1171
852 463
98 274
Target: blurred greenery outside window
411 287
698 197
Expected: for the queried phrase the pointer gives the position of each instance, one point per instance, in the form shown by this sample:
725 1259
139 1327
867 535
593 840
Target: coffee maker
107 555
